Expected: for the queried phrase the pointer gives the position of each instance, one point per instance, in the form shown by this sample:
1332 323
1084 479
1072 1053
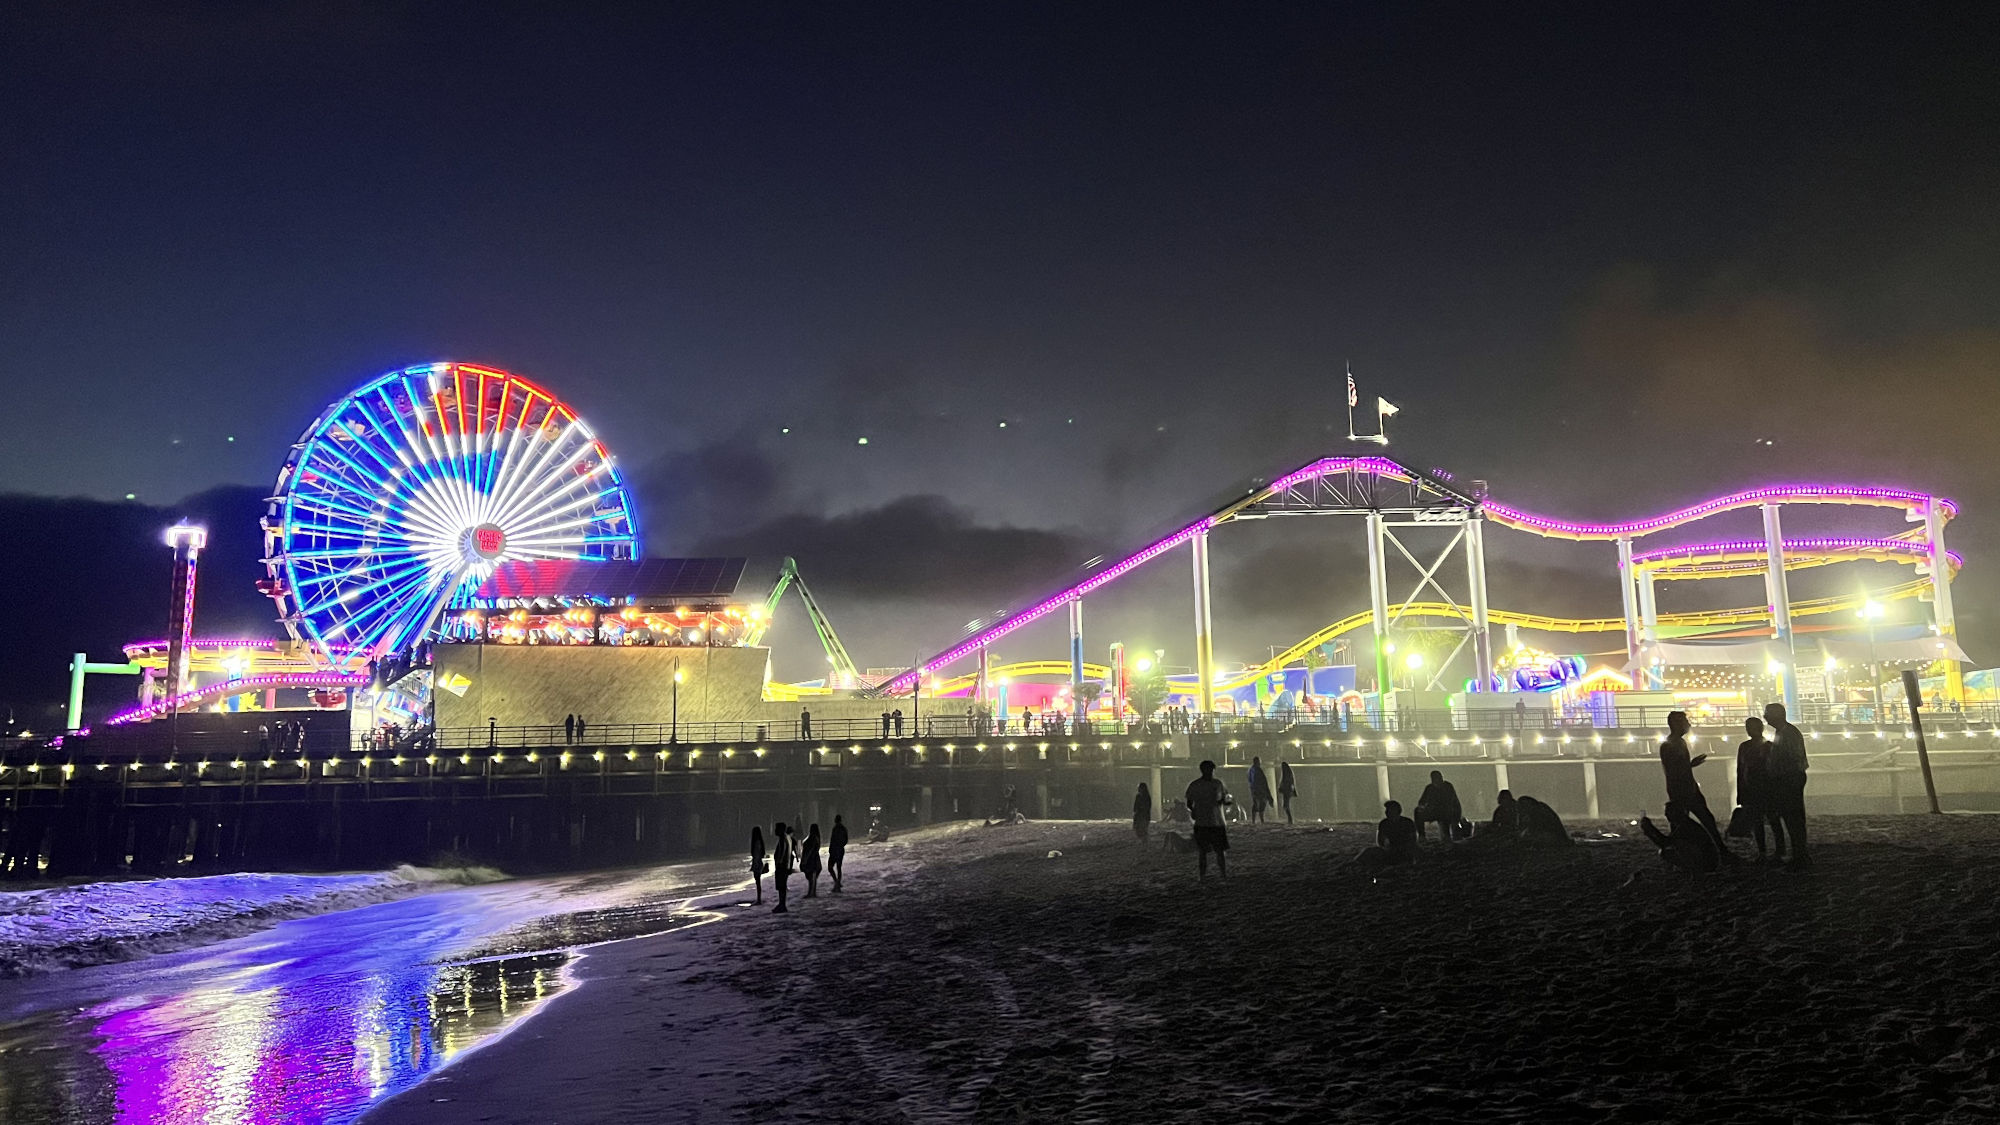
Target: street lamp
1870 611
674 733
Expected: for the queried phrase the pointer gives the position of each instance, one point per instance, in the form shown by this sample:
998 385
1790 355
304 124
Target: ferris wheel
402 497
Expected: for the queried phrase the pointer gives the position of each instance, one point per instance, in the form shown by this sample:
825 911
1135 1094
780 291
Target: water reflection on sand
317 1019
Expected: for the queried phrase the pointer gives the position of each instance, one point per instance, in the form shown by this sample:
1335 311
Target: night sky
1599 255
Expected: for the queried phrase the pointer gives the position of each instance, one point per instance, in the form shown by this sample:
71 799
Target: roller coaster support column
1625 596
1475 573
1204 648
1076 658
1378 601
1649 627
1781 603
1941 611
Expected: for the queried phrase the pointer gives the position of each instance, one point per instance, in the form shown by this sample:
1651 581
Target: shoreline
971 974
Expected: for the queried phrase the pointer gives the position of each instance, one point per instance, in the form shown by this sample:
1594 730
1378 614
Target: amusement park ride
407 506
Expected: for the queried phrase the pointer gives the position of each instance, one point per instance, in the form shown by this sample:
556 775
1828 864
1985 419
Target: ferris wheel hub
485 543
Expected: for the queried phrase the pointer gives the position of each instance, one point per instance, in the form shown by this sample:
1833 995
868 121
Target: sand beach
1061 972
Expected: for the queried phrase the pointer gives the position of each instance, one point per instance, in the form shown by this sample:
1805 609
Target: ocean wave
92 923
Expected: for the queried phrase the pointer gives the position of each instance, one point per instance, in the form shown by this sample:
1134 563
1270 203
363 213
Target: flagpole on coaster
1352 398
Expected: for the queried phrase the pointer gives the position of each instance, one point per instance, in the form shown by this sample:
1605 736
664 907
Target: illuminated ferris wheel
406 494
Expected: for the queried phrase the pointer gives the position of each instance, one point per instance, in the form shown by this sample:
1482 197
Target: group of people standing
574 729
1770 794
790 854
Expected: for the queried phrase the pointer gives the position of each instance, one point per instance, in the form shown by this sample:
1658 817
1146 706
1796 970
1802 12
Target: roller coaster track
1306 487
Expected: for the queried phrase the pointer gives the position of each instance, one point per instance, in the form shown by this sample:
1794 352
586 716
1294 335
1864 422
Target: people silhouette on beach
836 851
1689 847
1439 805
1506 815
1539 824
809 861
1206 798
1395 841
1787 774
1753 790
758 865
1260 791
782 857
1682 789
1142 812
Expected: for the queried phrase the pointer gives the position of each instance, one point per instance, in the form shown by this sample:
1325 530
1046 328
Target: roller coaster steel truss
1396 500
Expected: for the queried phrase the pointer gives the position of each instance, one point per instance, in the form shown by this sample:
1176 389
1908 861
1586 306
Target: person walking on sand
1787 780
1142 812
758 864
1288 787
1439 805
809 861
836 851
781 858
1206 797
1395 841
1753 785
1682 788
1260 791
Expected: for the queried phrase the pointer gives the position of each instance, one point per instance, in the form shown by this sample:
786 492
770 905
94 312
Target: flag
1353 397
1384 407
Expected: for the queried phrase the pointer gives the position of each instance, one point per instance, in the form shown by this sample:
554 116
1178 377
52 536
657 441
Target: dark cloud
916 547
91 575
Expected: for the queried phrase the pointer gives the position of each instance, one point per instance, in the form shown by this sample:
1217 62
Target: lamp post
674 732
1415 663
1870 610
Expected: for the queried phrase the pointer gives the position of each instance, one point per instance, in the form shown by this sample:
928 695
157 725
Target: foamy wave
63 927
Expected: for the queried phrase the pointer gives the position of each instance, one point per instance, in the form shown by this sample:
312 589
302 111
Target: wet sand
968 976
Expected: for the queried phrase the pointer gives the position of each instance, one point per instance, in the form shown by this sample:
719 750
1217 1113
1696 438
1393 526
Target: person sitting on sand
809 861
1439 805
836 851
1206 798
1395 841
781 857
1179 814
1689 848
758 865
1142 812
1682 788
1753 781
1540 825
1260 791
1506 816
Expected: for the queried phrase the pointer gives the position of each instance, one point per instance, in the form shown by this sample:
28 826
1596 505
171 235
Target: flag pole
1350 400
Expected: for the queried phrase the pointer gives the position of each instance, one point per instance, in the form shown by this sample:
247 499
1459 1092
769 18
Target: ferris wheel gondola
404 496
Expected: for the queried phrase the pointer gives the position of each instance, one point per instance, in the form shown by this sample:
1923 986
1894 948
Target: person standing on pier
758 865
569 730
805 724
1206 797
836 851
1785 774
1682 788
809 861
782 857
579 728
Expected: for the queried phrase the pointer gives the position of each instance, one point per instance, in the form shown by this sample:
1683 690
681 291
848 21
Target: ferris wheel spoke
389 579
555 511
505 500
534 493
